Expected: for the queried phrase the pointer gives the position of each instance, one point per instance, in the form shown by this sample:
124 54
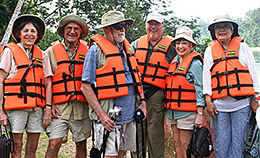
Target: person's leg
185 137
56 131
239 121
177 142
31 145
81 149
18 145
18 120
222 134
121 154
53 148
155 125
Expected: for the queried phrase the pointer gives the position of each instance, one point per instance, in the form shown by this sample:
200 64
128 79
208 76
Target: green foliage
92 11
250 28
6 10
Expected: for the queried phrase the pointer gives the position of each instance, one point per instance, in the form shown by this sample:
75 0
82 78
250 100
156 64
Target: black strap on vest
238 85
23 89
216 61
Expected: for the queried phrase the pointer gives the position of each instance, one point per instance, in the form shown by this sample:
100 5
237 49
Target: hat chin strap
116 43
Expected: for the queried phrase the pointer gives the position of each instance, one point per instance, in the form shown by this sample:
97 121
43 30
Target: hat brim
29 18
212 32
130 22
186 38
76 19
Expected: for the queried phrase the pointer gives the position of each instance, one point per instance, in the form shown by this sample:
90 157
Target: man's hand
107 122
46 117
55 113
3 118
142 106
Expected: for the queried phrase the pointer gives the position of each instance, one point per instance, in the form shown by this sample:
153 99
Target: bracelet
48 105
142 99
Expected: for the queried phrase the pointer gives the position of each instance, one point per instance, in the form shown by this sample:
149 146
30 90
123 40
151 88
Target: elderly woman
230 86
25 84
184 97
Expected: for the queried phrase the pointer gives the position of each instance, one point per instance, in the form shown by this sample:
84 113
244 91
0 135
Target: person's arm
47 111
89 94
142 104
3 116
88 79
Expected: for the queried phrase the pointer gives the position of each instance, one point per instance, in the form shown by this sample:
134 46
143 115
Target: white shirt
230 104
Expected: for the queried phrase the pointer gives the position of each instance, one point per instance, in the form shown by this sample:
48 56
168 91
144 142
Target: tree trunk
9 27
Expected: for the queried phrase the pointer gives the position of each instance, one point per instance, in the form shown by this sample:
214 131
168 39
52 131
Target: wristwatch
256 98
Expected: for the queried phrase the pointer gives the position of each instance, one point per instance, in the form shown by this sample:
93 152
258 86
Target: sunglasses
120 26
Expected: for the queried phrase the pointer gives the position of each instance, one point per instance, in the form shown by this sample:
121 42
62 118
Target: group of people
99 85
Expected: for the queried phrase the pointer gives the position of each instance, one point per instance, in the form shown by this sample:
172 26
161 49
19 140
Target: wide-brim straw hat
73 18
113 17
186 33
29 18
220 19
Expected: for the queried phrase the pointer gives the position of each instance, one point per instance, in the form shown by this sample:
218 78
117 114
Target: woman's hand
46 117
199 120
3 118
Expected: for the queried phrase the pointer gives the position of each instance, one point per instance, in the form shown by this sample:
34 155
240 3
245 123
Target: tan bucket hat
223 18
113 17
186 33
28 18
73 18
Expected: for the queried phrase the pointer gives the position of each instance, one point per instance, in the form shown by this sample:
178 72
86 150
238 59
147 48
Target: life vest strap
70 62
31 94
154 50
216 61
152 65
119 85
175 73
231 86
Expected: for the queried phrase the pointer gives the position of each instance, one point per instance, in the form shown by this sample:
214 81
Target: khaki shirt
79 109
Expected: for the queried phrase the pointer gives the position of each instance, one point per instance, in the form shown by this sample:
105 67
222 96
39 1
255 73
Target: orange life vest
110 78
154 70
66 83
228 76
26 89
180 93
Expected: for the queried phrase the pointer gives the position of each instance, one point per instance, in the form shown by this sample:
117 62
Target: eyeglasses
120 26
219 27
156 24
76 29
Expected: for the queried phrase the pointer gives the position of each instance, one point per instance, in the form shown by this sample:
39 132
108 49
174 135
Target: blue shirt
194 76
127 103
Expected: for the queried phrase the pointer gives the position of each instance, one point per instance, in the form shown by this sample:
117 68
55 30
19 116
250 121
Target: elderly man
111 81
69 109
154 52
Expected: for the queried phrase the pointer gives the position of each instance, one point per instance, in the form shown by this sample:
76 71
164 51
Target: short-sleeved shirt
9 66
95 59
194 76
79 109
149 89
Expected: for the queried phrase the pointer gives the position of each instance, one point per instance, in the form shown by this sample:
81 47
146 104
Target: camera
114 113
139 115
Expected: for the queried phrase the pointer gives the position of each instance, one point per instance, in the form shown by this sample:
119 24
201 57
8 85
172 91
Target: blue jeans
229 130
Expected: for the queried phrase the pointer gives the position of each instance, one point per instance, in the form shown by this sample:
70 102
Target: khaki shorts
29 120
186 123
125 141
80 129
